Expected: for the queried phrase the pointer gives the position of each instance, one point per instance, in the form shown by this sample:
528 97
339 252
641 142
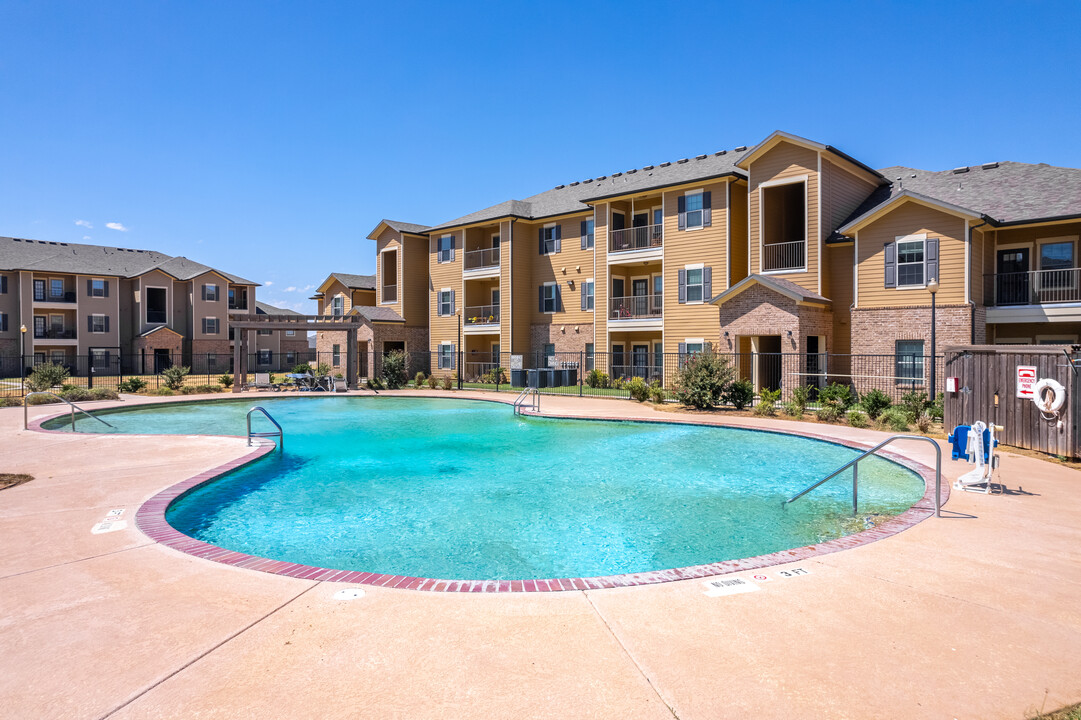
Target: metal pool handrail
523 396
854 464
74 407
279 434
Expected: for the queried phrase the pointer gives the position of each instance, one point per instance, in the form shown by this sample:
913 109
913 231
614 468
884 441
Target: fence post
581 370
89 371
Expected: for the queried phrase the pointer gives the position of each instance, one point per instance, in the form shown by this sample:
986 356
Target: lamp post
458 360
22 358
932 287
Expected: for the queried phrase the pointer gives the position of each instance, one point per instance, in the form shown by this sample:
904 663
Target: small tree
174 376
394 369
46 376
739 394
226 381
305 369
638 389
322 369
874 402
418 381
703 379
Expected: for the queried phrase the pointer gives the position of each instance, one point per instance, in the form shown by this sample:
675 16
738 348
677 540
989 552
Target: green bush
433 382
46 376
303 368
100 393
616 383
226 381
163 391
935 410
895 419
858 419
739 394
793 409
10 401
767 404
418 381
657 394
132 385
874 402
394 371
801 394
448 382
174 376
374 383
41 400
322 369
76 394
703 379
837 397
638 389
597 379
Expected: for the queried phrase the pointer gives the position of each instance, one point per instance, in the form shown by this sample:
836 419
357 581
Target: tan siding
839 278
524 294
787 161
600 281
506 310
389 239
980 241
207 309
570 264
707 246
444 275
738 225
912 219
414 274
842 194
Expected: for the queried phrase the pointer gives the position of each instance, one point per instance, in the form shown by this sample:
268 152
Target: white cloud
116 226
86 237
268 283
306 288
291 288
84 223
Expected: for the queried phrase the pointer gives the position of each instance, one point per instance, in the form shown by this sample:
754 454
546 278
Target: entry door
618 301
162 359
1012 279
619 239
39 326
814 361
640 358
617 361
640 291
39 290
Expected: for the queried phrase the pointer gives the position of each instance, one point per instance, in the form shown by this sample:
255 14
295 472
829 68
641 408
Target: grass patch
1073 712
10 480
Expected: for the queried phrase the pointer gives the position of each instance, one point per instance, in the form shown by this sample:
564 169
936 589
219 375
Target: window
336 355
264 332
446 302
290 359
99 359
290 333
587 234
694 285
58 356
693 347
3 322
1056 263
238 298
446 356
910 263
3 284
549 355
446 248
265 357
39 358
98 324
909 355
658 288
658 358
591 357
693 212
56 288
156 307
337 306
98 288
587 295
211 361
549 298
495 299
549 239
210 292
210 326
39 291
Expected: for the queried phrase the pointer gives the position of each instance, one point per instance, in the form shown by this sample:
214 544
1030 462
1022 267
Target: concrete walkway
975 615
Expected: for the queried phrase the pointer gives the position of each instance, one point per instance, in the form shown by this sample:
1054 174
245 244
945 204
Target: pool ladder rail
268 434
855 463
74 407
524 397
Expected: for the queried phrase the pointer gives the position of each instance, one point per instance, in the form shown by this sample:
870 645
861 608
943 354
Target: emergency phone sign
1026 381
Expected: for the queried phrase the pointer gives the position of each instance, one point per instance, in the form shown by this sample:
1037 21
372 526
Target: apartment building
101 303
790 246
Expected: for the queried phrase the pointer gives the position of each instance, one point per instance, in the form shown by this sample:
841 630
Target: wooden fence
989 372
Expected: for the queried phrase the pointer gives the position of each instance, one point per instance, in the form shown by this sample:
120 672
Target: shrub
896 419
394 369
739 394
935 410
801 394
837 397
100 393
41 400
304 368
374 383
10 402
448 382
174 376
46 376
923 423
828 413
499 376
76 394
597 379
657 394
163 391
858 419
703 379
418 381
793 409
322 369
767 404
638 389
616 383
433 382
874 402
226 381
134 385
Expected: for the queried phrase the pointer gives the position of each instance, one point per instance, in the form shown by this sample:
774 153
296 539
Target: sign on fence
515 362
1026 381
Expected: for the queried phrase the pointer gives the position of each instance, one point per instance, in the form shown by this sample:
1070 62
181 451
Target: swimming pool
458 489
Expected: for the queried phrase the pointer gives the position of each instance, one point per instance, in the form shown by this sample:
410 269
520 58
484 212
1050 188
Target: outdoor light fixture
789 333
726 333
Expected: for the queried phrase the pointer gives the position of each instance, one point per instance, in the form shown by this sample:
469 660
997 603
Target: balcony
55 334
66 297
645 237
482 259
1036 287
481 317
780 257
390 293
640 307
241 304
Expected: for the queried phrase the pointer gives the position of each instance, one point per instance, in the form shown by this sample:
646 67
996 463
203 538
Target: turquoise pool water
464 490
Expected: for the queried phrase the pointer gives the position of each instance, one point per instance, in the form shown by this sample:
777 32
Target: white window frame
449 303
446 353
591 303
146 304
63 291
261 354
290 333
217 292
94 290
335 302
217 326
591 233
554 299
805 179
897 355
688 342
1037 262
440 251
94 317
701 284
95 354
336 355
495 297
687 213
922 239
397 274
549 242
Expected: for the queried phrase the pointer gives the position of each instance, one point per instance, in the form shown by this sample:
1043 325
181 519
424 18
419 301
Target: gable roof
1005 193
576 196
398 226
262 308
780 285
778 136
353 282
160 328
22 254
376 314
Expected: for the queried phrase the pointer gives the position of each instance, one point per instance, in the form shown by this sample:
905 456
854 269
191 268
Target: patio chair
262 382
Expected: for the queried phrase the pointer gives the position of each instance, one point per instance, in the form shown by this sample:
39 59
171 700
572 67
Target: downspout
968 281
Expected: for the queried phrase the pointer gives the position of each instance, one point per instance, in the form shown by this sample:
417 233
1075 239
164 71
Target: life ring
1057 399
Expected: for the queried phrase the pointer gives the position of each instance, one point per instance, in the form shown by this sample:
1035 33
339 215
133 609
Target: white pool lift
979 448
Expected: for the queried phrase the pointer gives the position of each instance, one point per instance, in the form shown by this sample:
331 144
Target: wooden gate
987 390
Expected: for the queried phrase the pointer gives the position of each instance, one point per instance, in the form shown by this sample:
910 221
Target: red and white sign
1026 381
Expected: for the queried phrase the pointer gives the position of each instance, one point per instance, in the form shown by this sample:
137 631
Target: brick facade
760 311
161 340
565 338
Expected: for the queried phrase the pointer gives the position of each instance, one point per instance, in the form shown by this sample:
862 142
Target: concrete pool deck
974 615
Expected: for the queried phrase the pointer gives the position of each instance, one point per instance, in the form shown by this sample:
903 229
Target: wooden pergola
349 324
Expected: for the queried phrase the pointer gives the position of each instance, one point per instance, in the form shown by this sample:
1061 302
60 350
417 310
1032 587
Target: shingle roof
262 308
376 314
406 227
21 254
572 198
1005 193
785 287
355 282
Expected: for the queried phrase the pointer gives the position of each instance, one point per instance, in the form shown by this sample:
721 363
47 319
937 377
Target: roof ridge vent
741 148
989 166
560 187
588 180
632 172
959 170
574 183
616 174
681 161
720 152
699 157
665 164
648 167
602 177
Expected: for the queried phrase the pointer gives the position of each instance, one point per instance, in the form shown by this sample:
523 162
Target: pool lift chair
976 443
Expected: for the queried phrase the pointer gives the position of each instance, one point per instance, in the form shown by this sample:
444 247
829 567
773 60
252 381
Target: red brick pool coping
150 519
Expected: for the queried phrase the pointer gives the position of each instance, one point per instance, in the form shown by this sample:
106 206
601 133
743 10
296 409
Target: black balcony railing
390 293
481 315
66 297
55 334
238 304
634 308
1036 287
784 256
636 238
486 258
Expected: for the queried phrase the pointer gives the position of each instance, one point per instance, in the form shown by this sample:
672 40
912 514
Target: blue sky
269 138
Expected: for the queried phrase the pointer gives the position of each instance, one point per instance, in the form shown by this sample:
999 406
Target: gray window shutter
559 238
451 302
204 297
582 287
90 323
89 287
106 327
540 239
453 356
682 286
541 298
583 227
707 209
453 243
559 299
205 325
682 214
707 284
4 279
3 322
683 348
891 265
106 288
930 260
